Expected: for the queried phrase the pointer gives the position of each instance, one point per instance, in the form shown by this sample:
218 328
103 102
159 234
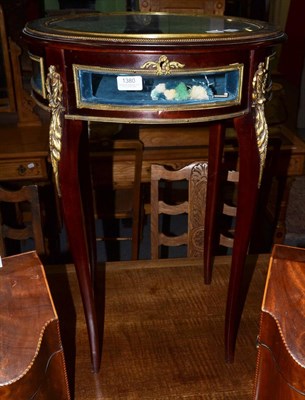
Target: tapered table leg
249 171
216 145
74 183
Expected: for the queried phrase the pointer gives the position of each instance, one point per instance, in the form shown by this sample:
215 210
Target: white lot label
129 82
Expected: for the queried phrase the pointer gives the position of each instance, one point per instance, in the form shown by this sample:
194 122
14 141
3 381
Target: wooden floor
163 332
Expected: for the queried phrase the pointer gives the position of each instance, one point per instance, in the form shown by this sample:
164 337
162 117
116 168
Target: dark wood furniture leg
87 198
76 213
216 146
249 168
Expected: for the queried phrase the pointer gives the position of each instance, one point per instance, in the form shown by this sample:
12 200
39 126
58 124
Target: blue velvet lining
101 88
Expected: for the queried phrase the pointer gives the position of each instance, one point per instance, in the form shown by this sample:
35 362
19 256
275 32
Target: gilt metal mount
54 95
261 85
163 66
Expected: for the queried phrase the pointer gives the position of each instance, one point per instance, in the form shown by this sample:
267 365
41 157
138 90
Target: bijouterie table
141 68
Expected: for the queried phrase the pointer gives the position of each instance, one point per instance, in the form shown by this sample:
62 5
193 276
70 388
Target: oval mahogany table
153 69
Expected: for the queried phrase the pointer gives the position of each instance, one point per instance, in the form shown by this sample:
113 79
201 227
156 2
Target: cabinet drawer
20 169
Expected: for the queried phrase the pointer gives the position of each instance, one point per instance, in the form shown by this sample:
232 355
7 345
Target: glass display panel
98 25
98 88
38 78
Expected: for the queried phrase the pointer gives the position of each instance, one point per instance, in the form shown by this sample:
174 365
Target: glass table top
148 27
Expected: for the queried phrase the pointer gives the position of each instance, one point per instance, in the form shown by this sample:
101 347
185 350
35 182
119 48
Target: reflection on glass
148 26
149 23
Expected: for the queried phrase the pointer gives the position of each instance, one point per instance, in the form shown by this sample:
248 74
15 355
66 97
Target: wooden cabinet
24 153
25 168
32 361
281 342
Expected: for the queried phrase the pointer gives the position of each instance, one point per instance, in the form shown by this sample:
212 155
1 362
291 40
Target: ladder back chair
116 167
196 176
27 211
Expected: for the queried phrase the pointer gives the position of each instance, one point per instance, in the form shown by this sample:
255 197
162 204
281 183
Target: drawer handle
163 65
21 169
